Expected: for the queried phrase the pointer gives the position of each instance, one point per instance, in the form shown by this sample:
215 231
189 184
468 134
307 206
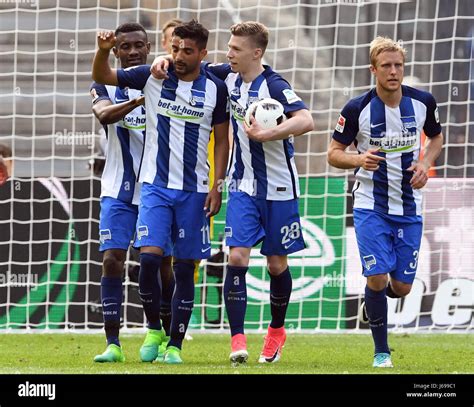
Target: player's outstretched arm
160 65
108 113
101 70
221 156
339 158
300 122
420 170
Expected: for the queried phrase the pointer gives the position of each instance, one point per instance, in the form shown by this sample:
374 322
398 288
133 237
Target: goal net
50 267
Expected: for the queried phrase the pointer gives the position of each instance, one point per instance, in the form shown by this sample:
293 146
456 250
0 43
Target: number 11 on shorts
206 239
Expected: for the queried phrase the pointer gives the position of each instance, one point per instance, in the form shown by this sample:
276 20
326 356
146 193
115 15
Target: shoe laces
271 344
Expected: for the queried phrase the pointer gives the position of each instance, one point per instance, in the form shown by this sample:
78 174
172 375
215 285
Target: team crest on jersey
198 98
142 231
408 125
105 234
341 122
253 97
369 261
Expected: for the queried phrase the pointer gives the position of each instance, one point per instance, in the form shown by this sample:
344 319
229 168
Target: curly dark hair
194 31
130 27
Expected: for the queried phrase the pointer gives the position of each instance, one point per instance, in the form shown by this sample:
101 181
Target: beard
184 68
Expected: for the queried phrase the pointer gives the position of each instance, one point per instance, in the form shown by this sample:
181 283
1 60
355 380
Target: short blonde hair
384 44
174 22
256 31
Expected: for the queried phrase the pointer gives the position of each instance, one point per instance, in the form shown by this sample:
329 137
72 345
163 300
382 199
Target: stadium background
49 262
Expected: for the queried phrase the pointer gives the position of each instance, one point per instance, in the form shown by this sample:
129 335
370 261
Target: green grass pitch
208 354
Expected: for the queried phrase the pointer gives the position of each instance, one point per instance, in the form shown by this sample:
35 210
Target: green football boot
382 360
149 349
162 349
172 356
112 354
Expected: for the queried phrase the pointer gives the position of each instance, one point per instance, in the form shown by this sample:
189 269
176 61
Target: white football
268 112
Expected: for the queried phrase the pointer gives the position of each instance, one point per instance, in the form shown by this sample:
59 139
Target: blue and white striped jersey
370 124
179 118
264 170
124 145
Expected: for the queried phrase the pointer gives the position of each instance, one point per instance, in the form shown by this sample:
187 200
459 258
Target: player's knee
112 266
238 258
401 289
275 268
377 282
152 250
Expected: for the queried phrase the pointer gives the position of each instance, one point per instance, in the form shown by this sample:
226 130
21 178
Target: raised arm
101 70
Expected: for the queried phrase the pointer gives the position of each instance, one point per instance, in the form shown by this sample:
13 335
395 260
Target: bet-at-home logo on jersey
391 142
134 122
237 111
175 110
